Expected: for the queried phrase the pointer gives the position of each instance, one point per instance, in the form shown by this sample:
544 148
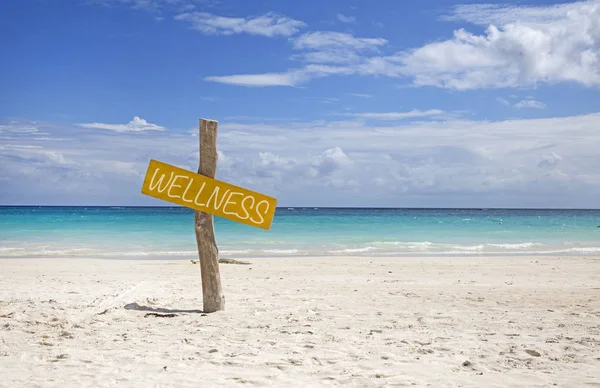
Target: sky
368 103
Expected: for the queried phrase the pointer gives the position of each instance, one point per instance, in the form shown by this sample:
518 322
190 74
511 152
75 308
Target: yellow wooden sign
186 188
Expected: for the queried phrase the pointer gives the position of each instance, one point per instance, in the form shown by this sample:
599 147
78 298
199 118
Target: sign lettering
186 188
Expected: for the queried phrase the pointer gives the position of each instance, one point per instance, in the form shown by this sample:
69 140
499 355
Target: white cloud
498 14
530 104
361 95
291 78
503 101
187 7
320 40
268 79
346 19
334 47
19 127
136 4
322 48
549 160
157 5
269 24
397 115
522 162
136 125
331 160
522 46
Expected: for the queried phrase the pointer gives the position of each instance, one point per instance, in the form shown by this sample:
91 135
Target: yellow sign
186 188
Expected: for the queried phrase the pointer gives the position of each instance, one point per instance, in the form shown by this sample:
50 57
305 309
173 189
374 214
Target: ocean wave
469 248
8 249
378 248
285 251
150 253
408 244
515 246
353 250
23 251
234 252
586 249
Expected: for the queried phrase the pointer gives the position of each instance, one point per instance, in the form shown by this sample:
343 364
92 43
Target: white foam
234 252
44 252
354 250
586 249
515 246
150 253
284 251
405 243
468 248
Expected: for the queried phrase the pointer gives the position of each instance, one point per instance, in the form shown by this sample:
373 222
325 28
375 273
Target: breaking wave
291 249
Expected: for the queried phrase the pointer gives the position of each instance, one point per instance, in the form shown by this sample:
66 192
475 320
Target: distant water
161 232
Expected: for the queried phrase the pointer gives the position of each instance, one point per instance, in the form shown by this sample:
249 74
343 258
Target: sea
168 232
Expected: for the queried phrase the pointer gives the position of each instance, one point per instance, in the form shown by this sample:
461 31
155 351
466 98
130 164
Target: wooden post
212 294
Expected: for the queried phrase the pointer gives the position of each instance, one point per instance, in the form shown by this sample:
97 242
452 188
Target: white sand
303 322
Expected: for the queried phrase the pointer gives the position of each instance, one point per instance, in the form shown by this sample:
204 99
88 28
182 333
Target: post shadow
135 306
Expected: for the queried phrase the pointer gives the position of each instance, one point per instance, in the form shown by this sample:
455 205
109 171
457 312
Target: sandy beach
358 321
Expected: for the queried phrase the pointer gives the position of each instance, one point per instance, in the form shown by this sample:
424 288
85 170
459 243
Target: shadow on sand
135 306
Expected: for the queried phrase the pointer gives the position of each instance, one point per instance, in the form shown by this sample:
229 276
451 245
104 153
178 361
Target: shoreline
317 321
293 256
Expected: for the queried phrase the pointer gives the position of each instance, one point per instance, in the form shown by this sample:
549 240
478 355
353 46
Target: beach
461 321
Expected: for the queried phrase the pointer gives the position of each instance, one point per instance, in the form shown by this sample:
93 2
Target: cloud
321 49
397 115
16 126
268 79
332 159
270 24
327 40
346 19
503 101
361 95
549 160
291 78
350 162
156 5
521 46
333 47
530 104
135 125
486 14
136 4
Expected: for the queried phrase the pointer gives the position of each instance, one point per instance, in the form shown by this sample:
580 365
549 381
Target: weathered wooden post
208 197
212 293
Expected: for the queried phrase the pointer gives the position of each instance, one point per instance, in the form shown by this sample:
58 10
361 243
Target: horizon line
322 207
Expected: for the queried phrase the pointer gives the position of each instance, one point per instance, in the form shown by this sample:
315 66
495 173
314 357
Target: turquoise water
167 232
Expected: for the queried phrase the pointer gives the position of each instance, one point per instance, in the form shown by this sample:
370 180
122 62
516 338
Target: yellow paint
186 188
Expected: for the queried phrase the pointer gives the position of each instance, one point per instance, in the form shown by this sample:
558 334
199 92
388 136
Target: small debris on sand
233 261
160 315
226 261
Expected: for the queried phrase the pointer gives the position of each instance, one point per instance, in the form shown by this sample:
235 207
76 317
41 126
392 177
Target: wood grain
212 293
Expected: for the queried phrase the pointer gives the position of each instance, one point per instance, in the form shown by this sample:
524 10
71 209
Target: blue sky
319 103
